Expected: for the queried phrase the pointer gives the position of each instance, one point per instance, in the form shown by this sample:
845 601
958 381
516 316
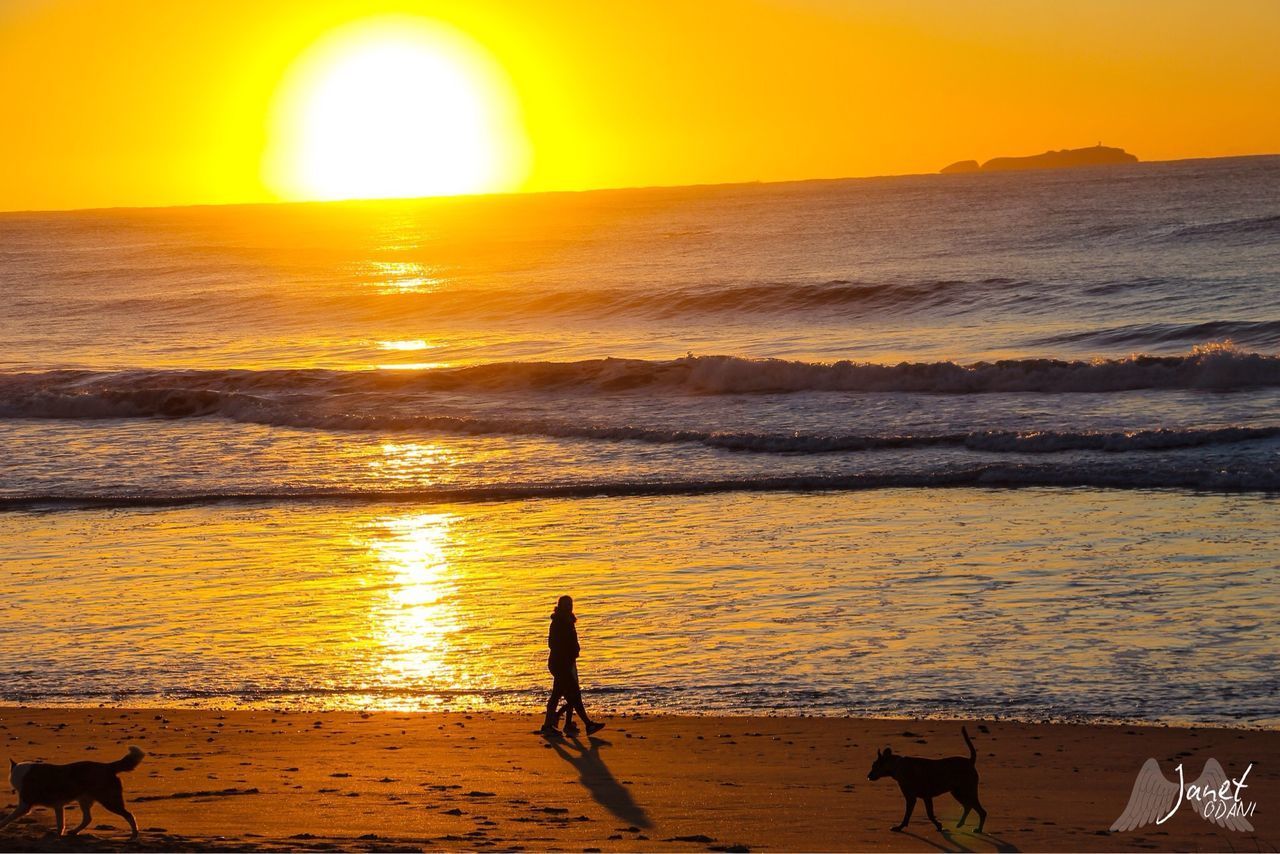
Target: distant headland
1067 158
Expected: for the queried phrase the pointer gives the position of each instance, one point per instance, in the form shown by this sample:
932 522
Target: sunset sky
150 102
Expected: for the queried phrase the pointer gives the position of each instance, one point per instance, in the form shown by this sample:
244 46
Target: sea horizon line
593 190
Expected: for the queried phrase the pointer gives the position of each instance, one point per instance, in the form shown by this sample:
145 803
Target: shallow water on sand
1027 604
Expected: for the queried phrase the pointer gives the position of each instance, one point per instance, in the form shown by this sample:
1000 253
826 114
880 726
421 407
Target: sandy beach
249 780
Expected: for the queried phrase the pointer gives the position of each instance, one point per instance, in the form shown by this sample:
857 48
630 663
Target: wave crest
1245 230
1256 333
1217 366
251 400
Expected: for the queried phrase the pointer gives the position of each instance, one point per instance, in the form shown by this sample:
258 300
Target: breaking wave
251 409
85 394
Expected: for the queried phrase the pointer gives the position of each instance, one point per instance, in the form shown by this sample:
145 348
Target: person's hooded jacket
562 640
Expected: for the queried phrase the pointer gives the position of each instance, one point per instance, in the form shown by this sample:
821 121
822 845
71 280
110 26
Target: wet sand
390 781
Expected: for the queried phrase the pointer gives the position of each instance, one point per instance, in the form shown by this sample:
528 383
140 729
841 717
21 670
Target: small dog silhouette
928 778
54 786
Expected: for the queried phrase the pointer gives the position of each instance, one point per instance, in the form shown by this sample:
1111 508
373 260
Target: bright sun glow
395 107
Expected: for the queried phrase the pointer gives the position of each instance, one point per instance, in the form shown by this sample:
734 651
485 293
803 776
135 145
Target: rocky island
1067 158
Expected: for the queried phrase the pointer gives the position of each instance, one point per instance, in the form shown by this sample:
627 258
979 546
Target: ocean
995 445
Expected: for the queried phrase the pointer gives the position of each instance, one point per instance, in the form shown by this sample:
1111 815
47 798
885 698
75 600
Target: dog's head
17 771
883 766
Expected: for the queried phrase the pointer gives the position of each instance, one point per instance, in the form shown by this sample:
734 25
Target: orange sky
148 102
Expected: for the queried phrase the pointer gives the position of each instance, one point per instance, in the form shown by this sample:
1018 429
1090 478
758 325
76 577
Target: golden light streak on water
410 344
411 463
402 277
413 366
415 620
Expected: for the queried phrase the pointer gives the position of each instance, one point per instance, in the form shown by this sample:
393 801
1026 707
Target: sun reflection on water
400 277
413 366
407 344
415 622
405 463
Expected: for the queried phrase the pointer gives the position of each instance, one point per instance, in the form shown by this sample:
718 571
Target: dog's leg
58 824
18 812
86 806
967 795
114 801
906 817
928 809
982 814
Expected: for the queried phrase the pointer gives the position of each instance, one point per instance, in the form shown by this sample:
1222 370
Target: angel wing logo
1210 796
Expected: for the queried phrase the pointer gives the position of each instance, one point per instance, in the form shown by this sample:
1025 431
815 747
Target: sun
394 107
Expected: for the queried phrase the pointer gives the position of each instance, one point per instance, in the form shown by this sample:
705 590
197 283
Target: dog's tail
129 761
973 751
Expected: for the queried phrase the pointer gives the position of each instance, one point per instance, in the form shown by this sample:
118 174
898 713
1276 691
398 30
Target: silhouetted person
562 661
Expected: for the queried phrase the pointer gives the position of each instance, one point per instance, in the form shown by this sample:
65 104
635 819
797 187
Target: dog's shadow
1001 845
946 834
599 780
956 841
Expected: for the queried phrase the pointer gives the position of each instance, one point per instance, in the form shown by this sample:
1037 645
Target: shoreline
295 704
382 781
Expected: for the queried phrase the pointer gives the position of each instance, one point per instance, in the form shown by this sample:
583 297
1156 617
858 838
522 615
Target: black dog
928 778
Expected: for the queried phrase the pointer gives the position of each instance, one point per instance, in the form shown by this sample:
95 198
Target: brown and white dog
40 784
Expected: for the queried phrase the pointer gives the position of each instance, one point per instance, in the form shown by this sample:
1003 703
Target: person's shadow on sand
599 780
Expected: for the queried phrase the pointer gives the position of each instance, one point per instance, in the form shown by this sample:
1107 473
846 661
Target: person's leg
557 691
549 719
575 697
571 678
582 711
575 700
